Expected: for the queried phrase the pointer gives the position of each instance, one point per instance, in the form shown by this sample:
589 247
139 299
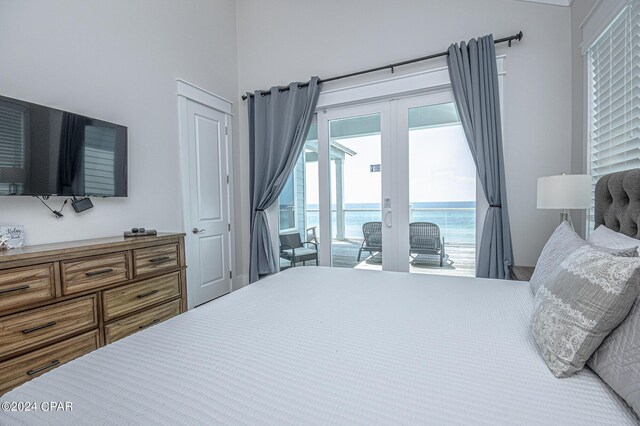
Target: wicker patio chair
292 248
424 238
372 242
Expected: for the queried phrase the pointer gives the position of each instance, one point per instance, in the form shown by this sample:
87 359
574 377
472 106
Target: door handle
197 231
387 219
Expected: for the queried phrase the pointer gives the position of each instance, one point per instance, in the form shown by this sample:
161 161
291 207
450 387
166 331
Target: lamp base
566 217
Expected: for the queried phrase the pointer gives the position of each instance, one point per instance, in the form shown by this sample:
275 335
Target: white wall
116 60
286 40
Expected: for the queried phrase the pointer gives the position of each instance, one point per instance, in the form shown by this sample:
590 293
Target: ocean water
456 219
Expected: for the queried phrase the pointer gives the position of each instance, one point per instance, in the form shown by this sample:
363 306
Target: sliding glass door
352 185
397 187
441 187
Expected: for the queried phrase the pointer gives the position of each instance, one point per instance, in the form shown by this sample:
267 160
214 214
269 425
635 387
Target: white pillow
608 238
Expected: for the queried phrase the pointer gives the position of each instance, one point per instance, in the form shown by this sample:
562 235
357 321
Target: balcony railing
457 224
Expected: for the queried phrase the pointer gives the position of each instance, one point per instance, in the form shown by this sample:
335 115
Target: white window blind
12 146
614 66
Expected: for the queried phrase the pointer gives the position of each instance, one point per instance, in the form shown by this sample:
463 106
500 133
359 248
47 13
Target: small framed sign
374 168
14 234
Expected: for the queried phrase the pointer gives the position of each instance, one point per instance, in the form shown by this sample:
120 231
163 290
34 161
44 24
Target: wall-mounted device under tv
45 151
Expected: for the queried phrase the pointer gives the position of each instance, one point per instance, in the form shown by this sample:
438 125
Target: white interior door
207 214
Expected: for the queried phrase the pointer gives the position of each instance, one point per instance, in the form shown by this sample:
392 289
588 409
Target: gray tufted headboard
618 202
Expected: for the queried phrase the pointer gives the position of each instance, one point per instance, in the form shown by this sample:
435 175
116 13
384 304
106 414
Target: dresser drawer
94 272
131 324
23 286
44 325
156 259
124 300
18 370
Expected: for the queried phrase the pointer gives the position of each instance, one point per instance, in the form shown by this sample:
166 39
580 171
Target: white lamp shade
564 192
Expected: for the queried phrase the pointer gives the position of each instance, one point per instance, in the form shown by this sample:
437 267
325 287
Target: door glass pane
442 193
288 204
311 189
298 204
356 191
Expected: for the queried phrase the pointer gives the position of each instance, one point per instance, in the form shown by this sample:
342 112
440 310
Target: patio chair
312 237
424 238
372 242
293 249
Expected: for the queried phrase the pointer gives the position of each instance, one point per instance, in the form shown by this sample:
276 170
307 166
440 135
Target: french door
375 162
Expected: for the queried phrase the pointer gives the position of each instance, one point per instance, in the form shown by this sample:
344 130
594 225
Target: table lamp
564 192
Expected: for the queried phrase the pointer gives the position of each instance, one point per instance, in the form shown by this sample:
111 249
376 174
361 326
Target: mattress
330 346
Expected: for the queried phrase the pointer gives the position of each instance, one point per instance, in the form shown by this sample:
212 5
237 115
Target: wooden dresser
60 301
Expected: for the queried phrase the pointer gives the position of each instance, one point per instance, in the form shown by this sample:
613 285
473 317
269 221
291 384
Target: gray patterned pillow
561 244
589 294
627 252
617 360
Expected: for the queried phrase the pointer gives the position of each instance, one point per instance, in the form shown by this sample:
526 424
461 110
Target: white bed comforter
331 346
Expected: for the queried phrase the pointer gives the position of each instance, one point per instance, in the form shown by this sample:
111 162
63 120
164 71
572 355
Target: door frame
397 87
190 92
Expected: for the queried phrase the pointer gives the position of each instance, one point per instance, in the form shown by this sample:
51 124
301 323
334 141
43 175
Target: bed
339 346
336 346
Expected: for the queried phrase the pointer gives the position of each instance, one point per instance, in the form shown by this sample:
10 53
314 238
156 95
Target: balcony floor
461 259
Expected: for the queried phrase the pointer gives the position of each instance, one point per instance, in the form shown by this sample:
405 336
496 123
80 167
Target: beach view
441 190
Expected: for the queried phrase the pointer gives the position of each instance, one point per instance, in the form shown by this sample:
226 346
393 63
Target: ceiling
553 2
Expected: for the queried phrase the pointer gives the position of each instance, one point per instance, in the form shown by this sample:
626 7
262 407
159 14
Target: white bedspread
330 346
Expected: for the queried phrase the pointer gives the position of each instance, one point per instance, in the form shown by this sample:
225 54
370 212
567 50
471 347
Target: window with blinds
614 119
12 148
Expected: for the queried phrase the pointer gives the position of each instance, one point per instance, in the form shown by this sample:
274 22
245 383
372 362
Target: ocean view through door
442 192
390 186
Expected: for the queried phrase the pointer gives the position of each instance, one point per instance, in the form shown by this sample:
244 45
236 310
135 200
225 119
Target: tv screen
45 151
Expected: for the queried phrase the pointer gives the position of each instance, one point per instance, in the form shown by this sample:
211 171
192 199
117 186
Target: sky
440 168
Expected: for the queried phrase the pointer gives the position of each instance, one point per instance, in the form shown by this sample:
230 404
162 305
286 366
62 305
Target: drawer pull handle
11 290
149 324
147 294
159 259
100 272
40 327
44 367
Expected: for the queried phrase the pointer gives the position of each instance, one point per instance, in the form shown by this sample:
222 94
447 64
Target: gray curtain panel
278 125
474 79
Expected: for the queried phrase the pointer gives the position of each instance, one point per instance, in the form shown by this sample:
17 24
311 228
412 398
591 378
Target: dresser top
29 252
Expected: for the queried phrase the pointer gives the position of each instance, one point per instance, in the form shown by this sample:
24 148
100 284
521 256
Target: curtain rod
509 39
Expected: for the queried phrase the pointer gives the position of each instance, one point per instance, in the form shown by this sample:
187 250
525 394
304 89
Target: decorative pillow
606 237
617 360
561 244
588 295
626 252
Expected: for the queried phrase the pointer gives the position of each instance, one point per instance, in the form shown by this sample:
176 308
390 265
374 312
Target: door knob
197 231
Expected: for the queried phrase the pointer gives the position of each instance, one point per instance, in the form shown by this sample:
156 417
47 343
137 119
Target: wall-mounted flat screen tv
46 151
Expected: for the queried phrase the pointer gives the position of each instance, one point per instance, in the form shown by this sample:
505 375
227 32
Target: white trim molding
423 82
200 95
598 19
